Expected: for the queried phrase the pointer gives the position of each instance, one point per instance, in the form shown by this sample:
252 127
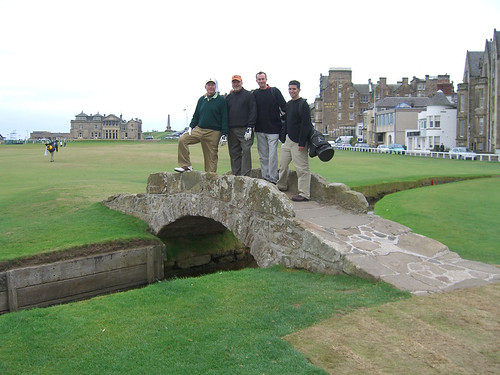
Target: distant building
40 134
478 117
105 127
339 109
436 125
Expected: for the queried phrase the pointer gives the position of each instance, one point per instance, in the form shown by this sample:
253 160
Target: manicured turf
463 215
224 323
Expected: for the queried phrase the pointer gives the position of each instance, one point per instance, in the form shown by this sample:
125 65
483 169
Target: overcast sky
150 58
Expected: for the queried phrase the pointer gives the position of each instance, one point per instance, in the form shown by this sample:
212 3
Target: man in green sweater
208 127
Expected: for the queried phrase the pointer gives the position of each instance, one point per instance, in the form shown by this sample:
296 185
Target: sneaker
183 169
299 198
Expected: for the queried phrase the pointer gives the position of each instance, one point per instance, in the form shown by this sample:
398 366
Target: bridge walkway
380 249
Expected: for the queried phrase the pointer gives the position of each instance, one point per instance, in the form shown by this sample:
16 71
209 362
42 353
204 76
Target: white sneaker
183 169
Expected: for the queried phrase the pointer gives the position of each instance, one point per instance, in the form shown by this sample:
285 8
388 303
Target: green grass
224 323
463 215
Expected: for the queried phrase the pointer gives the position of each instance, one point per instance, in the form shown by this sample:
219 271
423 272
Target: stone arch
260 216
250 208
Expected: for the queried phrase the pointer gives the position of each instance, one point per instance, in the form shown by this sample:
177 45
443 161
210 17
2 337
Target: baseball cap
211 80
236 77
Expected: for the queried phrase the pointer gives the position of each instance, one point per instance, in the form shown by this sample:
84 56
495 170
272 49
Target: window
437 121
339 116
481 125
340 95
422 123
351 116
351 104
481 98
462 128
351 95
339 105
462 103
431 121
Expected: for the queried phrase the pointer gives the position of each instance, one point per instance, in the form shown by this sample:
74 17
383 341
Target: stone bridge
330 234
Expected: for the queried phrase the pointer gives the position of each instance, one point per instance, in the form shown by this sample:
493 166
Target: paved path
381 249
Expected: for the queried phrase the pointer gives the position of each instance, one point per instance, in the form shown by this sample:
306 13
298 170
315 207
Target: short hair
260 73
294 82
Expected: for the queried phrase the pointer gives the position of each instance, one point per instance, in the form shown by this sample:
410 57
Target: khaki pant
290 153
209 140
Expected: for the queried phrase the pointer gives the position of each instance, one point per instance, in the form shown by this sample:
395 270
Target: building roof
474 61
496 37
440 99
362 88
412 101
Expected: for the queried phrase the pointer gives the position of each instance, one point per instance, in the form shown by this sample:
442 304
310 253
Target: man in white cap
208 127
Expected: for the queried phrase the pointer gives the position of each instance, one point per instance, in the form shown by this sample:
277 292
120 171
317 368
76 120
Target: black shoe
299 198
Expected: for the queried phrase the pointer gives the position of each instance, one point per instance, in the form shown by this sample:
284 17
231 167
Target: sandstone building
478 99
105 127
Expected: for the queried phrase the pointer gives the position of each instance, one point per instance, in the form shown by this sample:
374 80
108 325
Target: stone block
419 244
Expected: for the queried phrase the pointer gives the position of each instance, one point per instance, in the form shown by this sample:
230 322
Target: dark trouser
240 151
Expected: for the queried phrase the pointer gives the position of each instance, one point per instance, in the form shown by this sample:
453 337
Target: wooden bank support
80 278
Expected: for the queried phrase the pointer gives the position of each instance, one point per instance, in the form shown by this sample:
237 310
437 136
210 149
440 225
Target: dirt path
450 333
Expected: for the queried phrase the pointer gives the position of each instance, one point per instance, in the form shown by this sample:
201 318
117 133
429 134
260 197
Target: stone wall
260 216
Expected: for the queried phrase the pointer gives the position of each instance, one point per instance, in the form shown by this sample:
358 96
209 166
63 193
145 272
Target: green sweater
211 113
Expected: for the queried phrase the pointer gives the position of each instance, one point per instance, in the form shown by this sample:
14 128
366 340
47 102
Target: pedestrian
208 127
270 106
51 148
298 128
242 114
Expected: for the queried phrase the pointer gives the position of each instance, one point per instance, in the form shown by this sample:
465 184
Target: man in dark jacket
298 127
242 113
270 103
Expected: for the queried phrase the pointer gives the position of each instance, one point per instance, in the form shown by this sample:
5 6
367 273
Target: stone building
338 110
42 135
478 117
105 127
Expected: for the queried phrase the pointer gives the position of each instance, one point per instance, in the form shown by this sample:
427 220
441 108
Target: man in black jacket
242 113
267 128
298 127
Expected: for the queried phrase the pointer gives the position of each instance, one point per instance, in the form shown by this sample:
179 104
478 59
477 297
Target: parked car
383 149
362 145
396 148
462 153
